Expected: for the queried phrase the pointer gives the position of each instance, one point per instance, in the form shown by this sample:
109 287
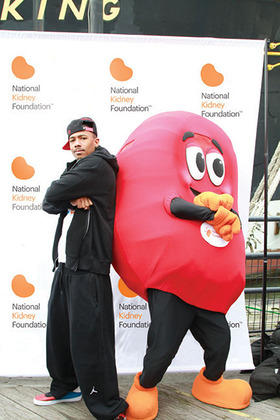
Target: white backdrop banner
48 79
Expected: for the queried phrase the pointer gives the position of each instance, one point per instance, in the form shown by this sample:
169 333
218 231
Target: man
80 329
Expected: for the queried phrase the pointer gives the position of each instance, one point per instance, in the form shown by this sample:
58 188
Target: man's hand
82 203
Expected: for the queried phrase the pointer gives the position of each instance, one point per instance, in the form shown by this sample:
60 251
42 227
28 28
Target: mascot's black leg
170 320
212 332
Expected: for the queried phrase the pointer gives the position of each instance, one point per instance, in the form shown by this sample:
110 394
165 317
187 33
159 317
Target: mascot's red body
153 248
178 244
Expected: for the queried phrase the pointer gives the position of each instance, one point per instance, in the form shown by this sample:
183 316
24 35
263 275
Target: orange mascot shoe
234 393
142 402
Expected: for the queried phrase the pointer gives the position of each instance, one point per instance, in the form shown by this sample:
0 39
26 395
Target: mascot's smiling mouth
194 191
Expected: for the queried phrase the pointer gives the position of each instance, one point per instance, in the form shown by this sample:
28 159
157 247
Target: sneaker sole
60 400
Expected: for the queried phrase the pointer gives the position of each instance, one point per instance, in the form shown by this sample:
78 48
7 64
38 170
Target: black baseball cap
81 124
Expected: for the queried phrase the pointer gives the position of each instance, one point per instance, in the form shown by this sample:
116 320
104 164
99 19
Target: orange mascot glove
225 223
213 201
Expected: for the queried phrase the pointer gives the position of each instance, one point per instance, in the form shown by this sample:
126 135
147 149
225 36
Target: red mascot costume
178 244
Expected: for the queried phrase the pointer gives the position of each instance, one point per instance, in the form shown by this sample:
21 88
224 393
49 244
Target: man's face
83 143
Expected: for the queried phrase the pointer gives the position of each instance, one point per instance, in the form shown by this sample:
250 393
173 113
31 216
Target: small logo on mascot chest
209 234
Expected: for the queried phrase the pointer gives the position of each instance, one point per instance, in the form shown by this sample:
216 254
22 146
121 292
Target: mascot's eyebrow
217 145
187 135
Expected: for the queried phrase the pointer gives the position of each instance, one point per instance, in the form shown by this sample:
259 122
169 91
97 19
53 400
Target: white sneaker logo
93 391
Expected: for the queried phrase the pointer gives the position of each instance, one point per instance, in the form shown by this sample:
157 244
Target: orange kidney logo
21 69
210 76
21 287
120 71
21 169
125 291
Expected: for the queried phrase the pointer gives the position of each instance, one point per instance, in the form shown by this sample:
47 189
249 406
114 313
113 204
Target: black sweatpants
171 318
81 341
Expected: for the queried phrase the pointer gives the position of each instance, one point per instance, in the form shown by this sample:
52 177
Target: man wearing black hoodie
80 328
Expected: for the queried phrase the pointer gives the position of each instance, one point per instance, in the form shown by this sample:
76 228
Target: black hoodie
90 235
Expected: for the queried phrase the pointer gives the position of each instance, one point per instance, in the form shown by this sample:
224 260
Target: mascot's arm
213 208
189 211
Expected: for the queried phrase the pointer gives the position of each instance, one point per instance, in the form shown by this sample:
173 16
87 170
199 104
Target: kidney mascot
179 245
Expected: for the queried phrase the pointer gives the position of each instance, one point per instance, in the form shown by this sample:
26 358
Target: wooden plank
10 410
175 401
22 395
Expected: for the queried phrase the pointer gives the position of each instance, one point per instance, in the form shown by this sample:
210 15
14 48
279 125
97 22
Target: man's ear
96 142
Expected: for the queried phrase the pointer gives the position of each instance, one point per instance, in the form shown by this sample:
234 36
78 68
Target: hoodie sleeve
81 180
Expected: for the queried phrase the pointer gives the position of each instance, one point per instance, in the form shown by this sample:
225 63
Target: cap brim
66 146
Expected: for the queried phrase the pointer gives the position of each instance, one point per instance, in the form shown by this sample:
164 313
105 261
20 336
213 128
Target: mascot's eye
215 168
195 162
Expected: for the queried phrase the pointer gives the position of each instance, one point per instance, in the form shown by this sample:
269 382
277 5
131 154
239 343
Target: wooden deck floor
175 401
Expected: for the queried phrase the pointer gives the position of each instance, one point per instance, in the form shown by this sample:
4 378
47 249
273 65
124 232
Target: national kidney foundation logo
125 291
210 76
25 315
216 103
131 314
25 197
25 89
21 69
125 98
21 287
120 71
21 169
